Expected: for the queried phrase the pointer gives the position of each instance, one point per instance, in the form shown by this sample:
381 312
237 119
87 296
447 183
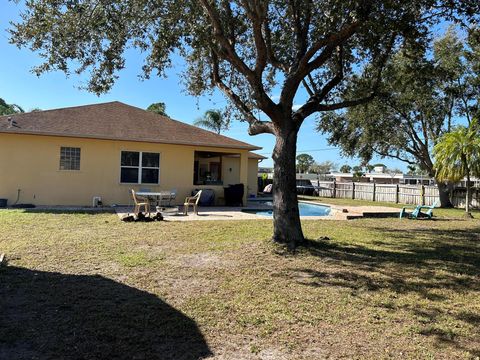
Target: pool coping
247 210
347 212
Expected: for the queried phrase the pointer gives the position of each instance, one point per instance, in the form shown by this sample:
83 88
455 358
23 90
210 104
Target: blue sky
53 90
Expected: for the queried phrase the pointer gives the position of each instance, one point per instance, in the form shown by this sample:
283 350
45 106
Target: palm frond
213 120
458 154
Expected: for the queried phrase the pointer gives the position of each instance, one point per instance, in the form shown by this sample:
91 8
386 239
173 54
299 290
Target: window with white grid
69 158
139 167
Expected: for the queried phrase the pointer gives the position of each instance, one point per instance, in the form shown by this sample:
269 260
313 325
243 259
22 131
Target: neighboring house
311 177
379 178
411 179
265 170
68 156
383 178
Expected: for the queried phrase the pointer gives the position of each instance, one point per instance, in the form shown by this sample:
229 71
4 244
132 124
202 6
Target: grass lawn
91 287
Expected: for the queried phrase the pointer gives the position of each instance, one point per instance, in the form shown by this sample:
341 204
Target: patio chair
192 201
173 196
167 197
418 213
139 204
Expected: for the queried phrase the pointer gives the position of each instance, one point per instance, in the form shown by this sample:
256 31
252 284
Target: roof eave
78 136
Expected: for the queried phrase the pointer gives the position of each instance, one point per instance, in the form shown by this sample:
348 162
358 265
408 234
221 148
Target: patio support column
244 174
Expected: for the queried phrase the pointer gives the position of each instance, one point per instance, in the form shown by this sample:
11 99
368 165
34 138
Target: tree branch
344 104
257 15
316 98
261 127
255 126
226 46
398 157
312 82
301 30
228 53
332 39
313 104
307 87
305 67
270 53
420 148
411 129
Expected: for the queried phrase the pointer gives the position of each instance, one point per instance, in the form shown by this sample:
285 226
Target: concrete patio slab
204 213
363 211
238 213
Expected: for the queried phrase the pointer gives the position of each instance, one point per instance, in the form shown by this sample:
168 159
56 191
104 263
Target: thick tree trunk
286 219
444 194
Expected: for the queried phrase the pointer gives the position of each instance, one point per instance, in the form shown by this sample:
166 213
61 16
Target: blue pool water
305 209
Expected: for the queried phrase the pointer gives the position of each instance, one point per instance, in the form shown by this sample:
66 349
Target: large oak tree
248 49
424 92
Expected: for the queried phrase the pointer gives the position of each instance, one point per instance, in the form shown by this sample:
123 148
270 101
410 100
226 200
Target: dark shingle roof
253 155
115 121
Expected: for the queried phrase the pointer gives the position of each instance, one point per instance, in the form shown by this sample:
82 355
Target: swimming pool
305 209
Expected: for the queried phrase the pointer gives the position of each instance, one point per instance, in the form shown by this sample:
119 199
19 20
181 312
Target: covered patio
216 170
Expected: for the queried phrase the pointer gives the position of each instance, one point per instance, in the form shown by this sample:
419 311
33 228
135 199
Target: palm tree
213 120
457 155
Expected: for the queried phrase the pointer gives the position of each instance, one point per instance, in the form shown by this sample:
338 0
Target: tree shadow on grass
69 211
46 315
428 262
422 249
402 266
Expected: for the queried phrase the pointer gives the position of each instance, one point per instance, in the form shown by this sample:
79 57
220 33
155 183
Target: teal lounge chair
418 213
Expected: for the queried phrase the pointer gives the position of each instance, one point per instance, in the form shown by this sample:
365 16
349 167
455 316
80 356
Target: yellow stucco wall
231 173
230 170
31 163
253 176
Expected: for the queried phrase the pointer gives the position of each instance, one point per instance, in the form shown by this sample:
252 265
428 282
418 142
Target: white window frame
140 167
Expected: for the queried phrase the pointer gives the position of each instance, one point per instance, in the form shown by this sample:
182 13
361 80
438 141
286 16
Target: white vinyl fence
397 193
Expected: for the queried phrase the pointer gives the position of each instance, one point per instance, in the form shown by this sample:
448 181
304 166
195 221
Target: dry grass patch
376 289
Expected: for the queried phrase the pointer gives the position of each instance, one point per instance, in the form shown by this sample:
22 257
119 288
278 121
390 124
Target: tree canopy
357 172
158 108
420 98
7 109
304 162
334 49
322 168
243 48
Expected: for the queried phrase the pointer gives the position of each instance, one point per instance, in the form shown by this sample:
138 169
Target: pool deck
236 213
232 213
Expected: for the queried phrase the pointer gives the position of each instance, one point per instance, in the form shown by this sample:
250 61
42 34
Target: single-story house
373 177
382 178
69 156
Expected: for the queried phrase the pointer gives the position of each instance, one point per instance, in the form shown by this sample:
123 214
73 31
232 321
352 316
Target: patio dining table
162 198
